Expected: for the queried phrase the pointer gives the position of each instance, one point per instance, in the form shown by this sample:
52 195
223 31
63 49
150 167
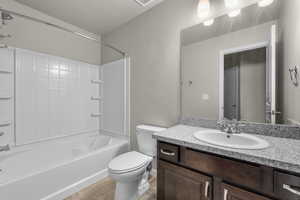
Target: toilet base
127 190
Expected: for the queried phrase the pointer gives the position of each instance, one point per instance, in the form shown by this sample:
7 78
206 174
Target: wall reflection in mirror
244 67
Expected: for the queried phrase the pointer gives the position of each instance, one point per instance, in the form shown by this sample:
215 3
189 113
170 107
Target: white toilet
130 170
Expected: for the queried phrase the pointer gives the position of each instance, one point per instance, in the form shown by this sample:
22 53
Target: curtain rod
83 35
49 24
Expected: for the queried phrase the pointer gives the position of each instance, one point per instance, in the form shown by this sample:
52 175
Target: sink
234 141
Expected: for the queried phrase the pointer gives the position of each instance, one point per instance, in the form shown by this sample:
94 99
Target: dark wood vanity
188 174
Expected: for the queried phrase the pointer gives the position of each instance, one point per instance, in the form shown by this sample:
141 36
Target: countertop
282 154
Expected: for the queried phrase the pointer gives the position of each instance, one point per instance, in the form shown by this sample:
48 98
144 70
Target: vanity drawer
168 152
287 186
230 192
249 175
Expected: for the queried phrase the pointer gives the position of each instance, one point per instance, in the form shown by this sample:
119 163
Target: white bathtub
58 168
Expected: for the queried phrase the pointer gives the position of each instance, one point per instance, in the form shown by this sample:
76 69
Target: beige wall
200 63
152 40
41 38
289 57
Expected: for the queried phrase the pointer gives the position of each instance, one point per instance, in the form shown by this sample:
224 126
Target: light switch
205 97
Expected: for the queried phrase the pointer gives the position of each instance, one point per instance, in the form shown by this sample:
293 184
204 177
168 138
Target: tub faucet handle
5 148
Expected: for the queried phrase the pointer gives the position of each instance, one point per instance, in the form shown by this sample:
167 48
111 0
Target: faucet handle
221 124
5 148
240 127
233 126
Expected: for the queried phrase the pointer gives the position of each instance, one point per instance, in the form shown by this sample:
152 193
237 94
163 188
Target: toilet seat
128 162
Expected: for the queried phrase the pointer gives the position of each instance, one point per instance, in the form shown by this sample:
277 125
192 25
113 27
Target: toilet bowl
130 170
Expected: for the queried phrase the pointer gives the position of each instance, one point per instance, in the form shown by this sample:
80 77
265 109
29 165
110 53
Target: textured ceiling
96 16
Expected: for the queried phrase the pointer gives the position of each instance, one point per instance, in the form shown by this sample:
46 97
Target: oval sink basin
234 141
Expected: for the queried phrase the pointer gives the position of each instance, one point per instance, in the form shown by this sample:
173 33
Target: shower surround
64 121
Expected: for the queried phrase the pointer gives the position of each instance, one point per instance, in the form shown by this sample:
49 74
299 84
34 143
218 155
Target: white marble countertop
282 154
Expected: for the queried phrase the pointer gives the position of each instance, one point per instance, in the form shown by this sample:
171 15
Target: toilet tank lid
150 128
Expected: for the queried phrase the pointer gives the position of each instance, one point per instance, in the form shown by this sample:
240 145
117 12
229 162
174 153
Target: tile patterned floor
104 190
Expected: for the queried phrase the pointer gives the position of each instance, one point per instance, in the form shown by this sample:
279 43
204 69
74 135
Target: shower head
6 16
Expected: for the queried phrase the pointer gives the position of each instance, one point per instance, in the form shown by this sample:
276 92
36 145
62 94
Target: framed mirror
244 66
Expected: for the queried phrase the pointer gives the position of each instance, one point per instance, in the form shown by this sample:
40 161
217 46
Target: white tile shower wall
6 96
53 97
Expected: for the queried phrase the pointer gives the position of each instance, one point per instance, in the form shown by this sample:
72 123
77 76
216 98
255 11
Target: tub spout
4 148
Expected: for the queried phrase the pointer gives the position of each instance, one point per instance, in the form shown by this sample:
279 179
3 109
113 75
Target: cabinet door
234 193
177 183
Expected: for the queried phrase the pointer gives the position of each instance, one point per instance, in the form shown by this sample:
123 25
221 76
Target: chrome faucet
229 127
4 148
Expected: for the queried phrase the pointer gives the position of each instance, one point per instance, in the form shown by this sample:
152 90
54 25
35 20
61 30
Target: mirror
244 67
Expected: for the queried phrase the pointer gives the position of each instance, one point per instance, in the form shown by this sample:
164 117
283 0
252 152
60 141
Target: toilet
130 170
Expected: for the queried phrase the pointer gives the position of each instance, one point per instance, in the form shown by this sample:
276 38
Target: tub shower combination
64 166
61 123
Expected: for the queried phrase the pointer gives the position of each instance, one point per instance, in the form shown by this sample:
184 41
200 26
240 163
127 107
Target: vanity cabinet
188 174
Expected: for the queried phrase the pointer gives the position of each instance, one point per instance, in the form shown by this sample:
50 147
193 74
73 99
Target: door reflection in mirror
245 86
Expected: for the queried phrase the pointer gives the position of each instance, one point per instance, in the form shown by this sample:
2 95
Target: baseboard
76 187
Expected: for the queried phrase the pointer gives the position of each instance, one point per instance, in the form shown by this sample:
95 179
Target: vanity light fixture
203 9
234 13
231 3
264 3
208 22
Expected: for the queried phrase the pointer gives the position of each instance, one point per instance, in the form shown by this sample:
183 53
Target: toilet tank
146 144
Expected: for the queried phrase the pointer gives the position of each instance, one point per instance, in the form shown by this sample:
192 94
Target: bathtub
56 169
